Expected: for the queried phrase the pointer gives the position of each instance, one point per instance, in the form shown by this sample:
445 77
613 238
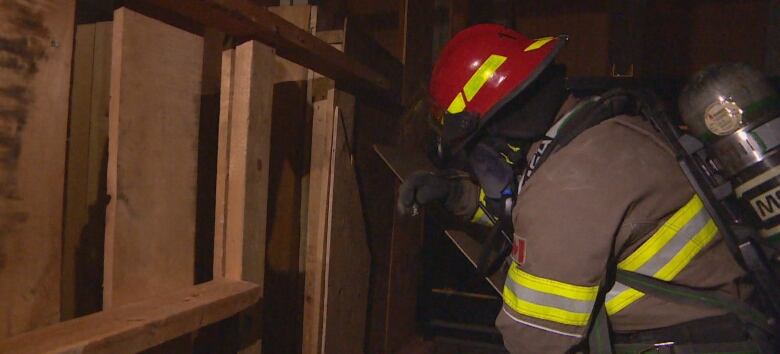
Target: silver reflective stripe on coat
666 253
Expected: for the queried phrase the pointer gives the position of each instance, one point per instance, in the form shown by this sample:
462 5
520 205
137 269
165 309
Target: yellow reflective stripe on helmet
548 299
457 105
538 43
482 75
667 252
479 215
475 83
570 291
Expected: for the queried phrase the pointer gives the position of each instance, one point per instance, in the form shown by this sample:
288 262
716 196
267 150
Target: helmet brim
559 43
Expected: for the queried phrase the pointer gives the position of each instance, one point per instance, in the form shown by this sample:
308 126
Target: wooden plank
244 160
337 255
36 49
348 261
141 325
153 137
223 159
290 139
98 126
82 253
76 184
318 223
247 141
247 19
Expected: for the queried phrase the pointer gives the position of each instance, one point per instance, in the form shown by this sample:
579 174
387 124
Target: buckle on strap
665 347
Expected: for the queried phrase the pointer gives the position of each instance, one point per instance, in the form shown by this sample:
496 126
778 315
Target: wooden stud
135 327
34 91
290 139
86 177
153 136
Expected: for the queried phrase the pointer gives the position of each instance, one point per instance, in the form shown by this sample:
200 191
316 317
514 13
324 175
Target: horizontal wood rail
248 20
142 325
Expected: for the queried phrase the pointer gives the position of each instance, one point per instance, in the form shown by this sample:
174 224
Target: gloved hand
422 188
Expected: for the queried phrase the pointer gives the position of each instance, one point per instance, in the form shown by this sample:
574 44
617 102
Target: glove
422 188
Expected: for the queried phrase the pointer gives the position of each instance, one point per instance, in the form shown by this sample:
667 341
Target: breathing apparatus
734 111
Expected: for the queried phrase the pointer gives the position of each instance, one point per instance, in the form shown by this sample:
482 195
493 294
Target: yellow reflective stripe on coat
666 253
548 299
484 73
479 215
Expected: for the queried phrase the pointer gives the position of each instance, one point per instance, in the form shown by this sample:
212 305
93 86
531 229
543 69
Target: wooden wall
672 38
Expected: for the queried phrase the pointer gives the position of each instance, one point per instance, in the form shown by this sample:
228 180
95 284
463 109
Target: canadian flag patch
518 250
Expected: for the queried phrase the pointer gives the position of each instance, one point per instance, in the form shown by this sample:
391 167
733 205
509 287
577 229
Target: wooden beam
247 19
290 143
36 53
153 137
135 327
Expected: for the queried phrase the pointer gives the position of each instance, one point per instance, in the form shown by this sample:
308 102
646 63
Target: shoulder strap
611 104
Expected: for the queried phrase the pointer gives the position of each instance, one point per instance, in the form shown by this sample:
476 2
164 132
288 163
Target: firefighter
593 188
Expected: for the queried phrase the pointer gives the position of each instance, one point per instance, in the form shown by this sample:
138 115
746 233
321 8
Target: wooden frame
246 19
151 319
138 326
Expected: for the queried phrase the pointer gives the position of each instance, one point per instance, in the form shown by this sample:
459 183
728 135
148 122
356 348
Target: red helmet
484 66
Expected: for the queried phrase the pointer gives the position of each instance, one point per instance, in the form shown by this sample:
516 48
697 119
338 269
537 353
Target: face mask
456 128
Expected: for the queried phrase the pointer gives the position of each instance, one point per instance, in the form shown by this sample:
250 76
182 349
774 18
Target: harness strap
671 348
599 340
685 295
